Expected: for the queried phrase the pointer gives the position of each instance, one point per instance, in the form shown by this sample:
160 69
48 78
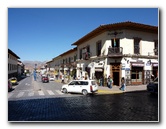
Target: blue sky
40 34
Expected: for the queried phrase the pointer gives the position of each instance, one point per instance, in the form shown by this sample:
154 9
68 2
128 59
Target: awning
99 70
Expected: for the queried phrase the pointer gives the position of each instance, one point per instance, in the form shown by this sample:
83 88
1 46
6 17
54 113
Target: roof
12 53
69 51
49 61
121 25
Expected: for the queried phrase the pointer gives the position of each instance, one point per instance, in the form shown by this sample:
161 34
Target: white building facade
119 50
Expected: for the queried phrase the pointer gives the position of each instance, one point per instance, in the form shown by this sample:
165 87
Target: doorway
116 78
115 70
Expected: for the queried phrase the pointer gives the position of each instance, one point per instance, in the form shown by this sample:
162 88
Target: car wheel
64 90
84 92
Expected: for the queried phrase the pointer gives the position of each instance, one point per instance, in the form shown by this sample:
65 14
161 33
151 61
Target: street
30 89
37 101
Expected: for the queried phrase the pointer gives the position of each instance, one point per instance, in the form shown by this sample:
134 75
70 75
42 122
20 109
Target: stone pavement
115 89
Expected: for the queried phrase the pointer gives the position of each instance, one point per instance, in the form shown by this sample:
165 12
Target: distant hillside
31 64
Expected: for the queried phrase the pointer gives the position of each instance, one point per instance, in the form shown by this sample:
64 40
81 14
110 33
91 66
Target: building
125 49
65 63
20 68
12 64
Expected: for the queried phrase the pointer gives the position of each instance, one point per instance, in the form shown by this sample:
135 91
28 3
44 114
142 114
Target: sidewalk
115 89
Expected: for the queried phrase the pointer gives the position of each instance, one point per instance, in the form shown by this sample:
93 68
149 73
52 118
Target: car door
76 87
71 86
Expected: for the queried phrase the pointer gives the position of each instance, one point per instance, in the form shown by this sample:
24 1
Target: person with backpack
109 82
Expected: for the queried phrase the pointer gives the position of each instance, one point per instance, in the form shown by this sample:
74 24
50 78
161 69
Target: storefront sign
127 69
137 65
155 65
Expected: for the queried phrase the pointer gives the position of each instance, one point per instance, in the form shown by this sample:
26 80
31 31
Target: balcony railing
115 51
86 55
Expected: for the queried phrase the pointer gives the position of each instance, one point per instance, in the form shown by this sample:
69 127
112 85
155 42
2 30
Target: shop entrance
116 78
115 73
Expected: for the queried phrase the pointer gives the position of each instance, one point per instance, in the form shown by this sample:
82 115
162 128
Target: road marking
50 92
41 92
27 84
10 95
31 93
20 94
59 92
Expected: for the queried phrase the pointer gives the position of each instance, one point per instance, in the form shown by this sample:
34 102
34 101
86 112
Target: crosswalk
34 93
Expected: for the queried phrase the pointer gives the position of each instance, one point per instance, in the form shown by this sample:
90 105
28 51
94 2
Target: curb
109 92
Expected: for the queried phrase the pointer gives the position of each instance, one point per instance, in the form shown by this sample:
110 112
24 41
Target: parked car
13 81
152 87
52 78
80 86
28 75
9 86
45 79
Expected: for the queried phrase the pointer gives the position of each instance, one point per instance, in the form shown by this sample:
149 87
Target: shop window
136 74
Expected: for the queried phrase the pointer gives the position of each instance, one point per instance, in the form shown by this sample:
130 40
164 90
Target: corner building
124 49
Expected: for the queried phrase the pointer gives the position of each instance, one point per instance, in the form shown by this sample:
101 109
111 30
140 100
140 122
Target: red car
45 79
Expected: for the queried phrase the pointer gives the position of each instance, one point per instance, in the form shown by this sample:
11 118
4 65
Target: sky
40 34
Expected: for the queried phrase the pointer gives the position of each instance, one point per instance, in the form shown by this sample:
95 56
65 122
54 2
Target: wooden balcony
115 52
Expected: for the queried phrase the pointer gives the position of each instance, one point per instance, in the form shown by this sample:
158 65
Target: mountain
31 64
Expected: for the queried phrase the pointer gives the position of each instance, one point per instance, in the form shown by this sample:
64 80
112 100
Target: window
93 83
115 42
80 53
73 83
98 48
156 47
136 74
75 57
84 83
137 45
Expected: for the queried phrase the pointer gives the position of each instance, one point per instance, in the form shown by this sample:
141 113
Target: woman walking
123 85
109 82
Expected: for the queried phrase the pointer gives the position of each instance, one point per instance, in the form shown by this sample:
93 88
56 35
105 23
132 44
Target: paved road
133 106
35 101
30 89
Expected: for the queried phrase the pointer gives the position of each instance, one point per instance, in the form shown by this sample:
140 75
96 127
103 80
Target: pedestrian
152 77
62 78
34 74
109 82
123 85
101 81
78 78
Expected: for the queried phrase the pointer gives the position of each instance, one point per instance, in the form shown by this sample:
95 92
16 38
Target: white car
51 78
80 86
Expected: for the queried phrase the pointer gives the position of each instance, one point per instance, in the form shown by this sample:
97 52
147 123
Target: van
80 86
